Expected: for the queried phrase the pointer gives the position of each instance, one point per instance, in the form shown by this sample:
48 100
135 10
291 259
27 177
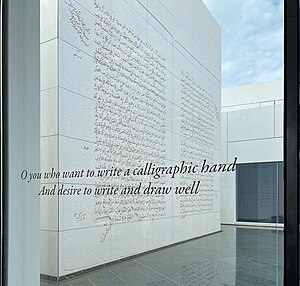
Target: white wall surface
49 215
252 94
183 125
251 130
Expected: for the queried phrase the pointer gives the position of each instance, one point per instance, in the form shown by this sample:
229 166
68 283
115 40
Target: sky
252 39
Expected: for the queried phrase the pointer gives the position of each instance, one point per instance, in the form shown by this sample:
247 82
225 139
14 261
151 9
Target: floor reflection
235 256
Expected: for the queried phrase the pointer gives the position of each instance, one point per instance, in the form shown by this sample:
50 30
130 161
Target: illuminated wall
125 83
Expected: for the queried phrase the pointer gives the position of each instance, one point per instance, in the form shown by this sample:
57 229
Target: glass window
145 142
260 192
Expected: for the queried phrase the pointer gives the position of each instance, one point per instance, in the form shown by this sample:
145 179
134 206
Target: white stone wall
252 130
147 68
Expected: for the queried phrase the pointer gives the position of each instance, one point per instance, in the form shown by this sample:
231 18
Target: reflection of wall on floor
252 130
125 83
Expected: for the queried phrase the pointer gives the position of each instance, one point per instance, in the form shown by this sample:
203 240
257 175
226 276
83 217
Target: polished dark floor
235 256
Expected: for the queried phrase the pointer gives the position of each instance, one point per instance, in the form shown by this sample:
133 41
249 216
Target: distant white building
252 130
